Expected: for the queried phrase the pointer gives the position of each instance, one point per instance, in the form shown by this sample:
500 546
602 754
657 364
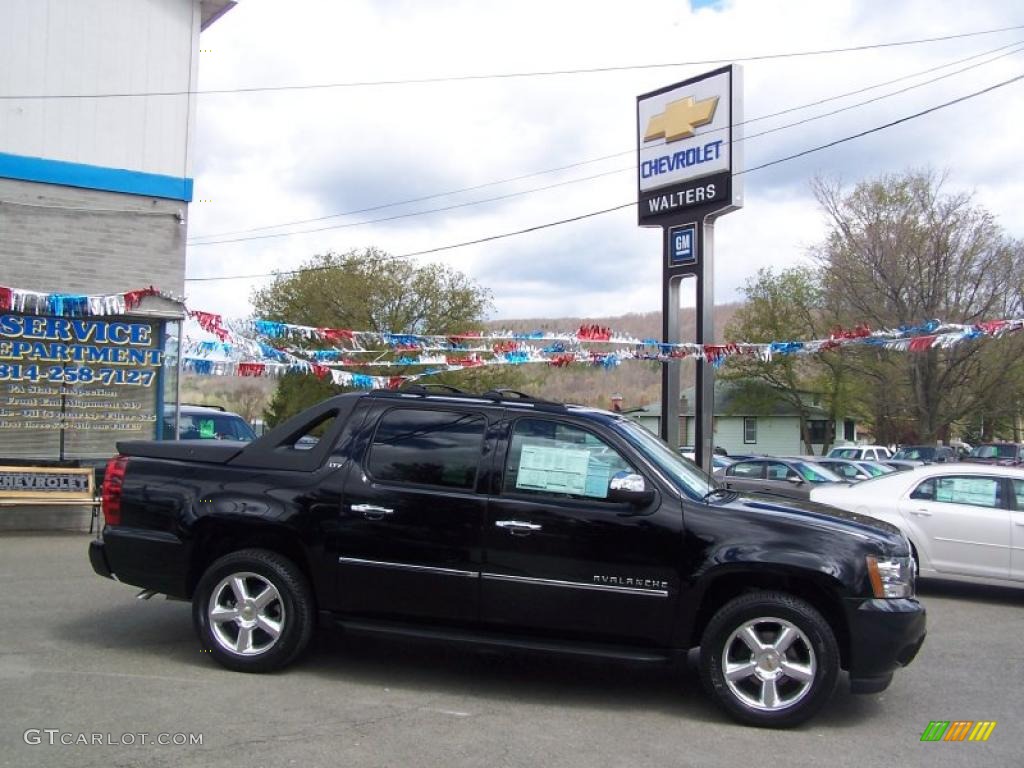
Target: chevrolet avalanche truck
507 521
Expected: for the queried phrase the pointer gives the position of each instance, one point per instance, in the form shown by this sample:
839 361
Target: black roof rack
426 389
444 390
202 405
514 395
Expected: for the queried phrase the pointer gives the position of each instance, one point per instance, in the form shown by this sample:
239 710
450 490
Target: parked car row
986 453
795 476
964 519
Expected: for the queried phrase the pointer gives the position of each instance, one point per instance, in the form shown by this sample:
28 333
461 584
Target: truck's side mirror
629 488
795 479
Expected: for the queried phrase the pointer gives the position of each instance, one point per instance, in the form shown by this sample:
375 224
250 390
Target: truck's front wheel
770 659
253 611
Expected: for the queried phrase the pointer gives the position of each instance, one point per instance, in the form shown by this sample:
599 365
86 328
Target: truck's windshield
687 476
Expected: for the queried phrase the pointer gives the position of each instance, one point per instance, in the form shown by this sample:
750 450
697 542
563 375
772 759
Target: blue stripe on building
94 177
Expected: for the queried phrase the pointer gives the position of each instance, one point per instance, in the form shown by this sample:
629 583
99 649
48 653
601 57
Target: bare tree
901 251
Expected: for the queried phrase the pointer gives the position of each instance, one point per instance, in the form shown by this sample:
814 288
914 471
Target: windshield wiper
717 492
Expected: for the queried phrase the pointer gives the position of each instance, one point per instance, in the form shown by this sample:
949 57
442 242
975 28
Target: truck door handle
517 527
372 512
921 513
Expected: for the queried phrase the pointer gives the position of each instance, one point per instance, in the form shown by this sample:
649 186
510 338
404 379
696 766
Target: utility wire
498 197
1017 49
592 214
370 209
882 127
513 75
521 193
412 214
429 250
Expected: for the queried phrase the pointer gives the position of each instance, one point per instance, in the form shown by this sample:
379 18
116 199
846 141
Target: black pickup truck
504 520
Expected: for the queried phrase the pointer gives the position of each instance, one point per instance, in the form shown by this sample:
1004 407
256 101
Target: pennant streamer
263 347
76 305
213 346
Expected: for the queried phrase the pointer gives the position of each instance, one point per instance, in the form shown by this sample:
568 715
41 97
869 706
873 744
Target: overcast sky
264 159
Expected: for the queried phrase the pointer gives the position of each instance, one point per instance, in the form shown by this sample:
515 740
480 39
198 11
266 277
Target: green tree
295 392
789 304
901 251
370 290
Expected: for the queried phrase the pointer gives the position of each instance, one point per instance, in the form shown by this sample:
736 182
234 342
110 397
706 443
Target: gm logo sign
682 245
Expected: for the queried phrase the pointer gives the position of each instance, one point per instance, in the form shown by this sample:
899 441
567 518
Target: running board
147 594
485 640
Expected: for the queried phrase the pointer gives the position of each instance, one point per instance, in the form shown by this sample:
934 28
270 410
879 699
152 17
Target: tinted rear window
845 453
995 452
427 448
209 426
920 453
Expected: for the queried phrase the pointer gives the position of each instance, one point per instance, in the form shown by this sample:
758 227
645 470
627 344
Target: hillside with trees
901 251
639 383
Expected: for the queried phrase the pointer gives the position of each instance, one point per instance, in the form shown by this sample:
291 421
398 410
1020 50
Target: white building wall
100 46
776 435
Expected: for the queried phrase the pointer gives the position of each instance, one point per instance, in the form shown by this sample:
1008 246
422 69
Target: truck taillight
113 482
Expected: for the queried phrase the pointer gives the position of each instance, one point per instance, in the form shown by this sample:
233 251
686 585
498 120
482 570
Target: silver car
783 477
852 470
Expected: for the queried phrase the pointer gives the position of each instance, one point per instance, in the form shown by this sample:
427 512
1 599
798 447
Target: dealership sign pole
688 159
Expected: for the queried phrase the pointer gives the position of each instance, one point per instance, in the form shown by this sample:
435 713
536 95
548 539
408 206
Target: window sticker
599 473
206 430
981 492
559 470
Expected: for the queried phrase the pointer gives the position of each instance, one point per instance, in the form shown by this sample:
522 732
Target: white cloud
266 158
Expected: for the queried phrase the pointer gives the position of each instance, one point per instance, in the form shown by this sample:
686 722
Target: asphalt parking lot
79 655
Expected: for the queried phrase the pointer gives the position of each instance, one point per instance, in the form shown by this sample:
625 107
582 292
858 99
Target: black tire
244 639
761 693
915 559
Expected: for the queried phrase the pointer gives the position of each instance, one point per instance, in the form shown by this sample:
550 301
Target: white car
860 452
964 522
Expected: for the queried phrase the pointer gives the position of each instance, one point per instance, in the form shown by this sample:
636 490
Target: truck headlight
891 576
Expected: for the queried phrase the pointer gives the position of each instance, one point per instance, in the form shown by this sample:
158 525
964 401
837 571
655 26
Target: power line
884 126
603 211
1018 47
514 75
412 214
370 209
429 250
521 193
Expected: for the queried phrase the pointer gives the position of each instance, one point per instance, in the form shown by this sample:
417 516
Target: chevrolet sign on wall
687 153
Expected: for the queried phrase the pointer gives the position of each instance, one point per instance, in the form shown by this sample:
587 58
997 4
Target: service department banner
71 387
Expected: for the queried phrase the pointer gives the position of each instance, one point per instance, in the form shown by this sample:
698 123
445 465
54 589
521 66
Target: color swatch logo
958 730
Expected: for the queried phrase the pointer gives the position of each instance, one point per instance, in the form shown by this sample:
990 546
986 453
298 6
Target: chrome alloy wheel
246 614
768 664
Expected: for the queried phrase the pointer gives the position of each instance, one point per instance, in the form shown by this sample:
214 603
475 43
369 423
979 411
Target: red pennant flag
921 343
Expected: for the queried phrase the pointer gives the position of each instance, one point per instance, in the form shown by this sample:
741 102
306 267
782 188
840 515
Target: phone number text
59 374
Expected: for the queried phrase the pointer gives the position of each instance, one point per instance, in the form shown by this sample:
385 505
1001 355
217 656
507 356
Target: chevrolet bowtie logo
680 118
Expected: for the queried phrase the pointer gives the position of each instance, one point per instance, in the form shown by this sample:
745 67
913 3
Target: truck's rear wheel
253 611
769 659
